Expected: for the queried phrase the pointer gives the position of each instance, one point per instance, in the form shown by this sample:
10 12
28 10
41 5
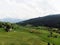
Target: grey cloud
24 8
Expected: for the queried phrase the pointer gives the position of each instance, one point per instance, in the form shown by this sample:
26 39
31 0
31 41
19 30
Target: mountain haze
11 20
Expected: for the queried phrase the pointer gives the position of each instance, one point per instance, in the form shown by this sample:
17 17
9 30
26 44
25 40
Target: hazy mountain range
11 20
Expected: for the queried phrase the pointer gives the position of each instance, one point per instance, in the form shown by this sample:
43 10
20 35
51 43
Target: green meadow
24 35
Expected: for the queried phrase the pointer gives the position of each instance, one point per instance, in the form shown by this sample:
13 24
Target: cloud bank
26 9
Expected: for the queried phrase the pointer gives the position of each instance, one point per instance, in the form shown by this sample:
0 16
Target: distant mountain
51 21
11 20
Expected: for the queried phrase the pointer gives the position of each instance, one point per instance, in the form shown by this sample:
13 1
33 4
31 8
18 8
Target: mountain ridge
50 21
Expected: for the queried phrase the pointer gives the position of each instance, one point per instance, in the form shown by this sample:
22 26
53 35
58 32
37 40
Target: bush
34 31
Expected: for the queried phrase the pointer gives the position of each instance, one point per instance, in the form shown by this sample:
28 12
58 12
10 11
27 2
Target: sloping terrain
28 35
20 38
50 21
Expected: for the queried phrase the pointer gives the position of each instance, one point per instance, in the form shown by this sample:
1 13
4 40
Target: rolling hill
51 21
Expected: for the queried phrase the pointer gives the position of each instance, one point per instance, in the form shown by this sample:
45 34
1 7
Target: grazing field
20 38
28 36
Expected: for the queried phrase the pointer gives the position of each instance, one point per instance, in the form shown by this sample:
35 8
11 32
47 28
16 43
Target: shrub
34 31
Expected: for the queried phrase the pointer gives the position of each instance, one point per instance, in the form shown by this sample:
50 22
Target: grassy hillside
20 38
27 35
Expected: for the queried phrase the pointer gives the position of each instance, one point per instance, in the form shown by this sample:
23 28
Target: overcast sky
25 9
